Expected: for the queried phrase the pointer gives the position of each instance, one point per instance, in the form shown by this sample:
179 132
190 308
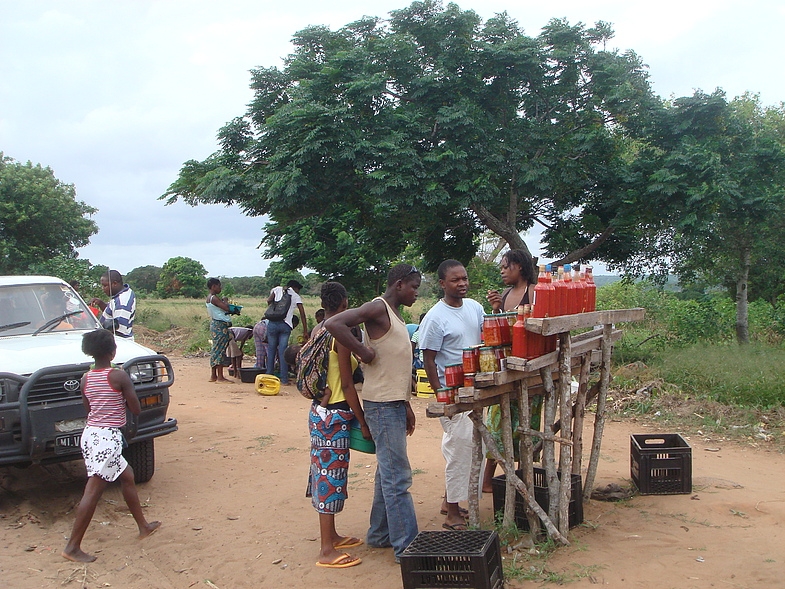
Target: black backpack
278 309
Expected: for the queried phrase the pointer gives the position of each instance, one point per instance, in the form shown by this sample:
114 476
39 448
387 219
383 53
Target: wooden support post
565 414
579 412
474 476
553 532
527 464
548 450
509 461
599 420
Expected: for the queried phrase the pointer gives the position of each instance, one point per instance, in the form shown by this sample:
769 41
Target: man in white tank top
387 364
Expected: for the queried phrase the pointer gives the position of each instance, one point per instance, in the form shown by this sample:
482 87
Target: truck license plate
68 443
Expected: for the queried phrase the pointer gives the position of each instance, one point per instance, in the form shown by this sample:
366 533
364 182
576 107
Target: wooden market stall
551 376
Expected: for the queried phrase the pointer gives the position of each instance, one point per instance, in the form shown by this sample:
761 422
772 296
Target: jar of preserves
488 361
471 360
453 375
501 357
443 395
468 380
491 330
504 330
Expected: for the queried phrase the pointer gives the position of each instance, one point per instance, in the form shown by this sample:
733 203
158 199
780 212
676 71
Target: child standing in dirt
106 392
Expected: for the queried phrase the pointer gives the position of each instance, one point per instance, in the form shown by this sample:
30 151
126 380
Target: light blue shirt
448 330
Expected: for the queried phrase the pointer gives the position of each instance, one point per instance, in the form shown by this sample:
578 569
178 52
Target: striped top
107 406
120 313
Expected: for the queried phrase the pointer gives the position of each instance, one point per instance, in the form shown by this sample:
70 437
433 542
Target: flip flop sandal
348 543
342 562
455 527
462 511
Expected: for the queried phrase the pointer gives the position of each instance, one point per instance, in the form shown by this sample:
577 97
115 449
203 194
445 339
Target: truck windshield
29 308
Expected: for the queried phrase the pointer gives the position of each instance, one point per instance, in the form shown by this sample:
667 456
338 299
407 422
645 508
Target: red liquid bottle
591 290
579 284
569 291
551 341
535 343
544 292
520 335
561 292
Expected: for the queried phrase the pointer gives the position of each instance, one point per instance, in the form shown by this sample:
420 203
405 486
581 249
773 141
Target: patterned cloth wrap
219 332
102 449
329 457
493 423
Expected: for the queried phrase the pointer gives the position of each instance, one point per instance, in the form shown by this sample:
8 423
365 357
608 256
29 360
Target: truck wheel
141 457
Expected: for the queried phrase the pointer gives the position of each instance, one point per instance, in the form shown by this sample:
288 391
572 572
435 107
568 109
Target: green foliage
182 276
425 130
751 375
144 279
40 219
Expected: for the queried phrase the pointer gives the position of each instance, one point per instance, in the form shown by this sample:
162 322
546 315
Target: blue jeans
393 520
277 342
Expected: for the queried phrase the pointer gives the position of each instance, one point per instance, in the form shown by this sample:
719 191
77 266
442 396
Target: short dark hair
294 284
113 276
211 282
524 260
333 294
401 272
446 265
99 343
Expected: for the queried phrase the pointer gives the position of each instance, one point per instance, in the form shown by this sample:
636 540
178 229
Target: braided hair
333 294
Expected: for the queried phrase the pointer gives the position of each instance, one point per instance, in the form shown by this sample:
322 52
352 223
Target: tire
141 458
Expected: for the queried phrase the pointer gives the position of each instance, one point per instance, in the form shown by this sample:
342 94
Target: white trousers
457 452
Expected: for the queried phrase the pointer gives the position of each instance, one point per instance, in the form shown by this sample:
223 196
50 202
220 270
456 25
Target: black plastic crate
661 464
541 496
470 558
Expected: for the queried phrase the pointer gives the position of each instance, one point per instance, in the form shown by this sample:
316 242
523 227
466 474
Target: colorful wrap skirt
493 423
329 473
219 332
102 449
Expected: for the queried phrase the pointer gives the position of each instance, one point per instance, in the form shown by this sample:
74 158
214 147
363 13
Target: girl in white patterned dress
106 392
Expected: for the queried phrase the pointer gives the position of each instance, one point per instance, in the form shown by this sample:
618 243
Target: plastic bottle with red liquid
591 290
579 284
561 292
544 292
535 343
551 341
519 335
569 293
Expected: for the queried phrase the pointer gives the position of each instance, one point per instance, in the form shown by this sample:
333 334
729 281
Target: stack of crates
424 390
470 558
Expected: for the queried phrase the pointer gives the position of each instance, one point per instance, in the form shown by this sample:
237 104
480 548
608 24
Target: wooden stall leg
579 413
474 476
526 454
509 461
553 532
599 420
565 414
548 448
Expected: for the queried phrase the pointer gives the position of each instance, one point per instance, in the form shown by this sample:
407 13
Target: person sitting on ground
106 393
329 425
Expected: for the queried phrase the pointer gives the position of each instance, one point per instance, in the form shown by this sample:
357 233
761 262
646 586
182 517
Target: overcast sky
115 96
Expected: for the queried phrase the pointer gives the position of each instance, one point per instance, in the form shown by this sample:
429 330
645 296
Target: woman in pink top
106 392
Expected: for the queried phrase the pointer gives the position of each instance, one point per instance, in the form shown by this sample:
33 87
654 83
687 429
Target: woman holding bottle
518 274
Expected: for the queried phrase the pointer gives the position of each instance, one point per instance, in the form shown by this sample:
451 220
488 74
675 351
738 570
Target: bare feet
223 380
78 556
149 529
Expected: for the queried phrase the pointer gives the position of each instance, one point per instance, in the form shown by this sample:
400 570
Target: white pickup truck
42 320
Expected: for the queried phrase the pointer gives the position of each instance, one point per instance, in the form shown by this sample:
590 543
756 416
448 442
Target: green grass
747 376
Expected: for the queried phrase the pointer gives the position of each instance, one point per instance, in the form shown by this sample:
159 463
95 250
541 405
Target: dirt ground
229 488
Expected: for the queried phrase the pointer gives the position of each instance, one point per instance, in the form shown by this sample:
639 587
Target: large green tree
181 276
144 279
40 218
720 178
428 129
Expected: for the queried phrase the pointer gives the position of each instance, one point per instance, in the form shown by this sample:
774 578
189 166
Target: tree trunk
742 318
